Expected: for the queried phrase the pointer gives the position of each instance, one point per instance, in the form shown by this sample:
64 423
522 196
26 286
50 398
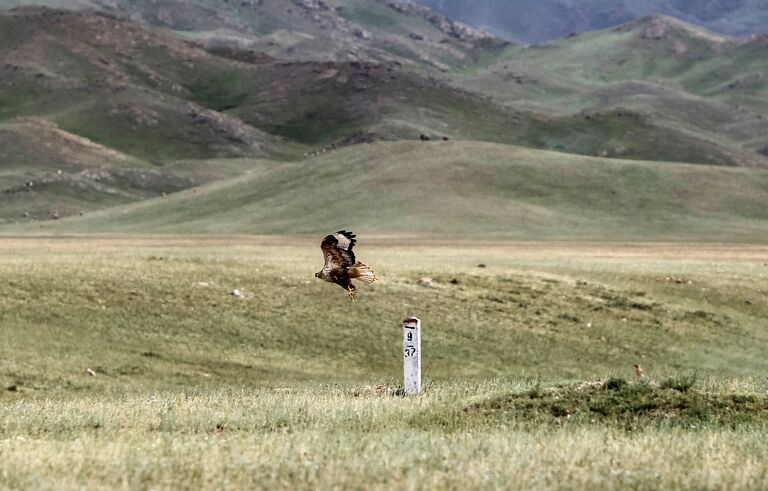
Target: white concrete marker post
412 355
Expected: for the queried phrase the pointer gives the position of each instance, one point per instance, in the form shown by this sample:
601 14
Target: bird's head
317 275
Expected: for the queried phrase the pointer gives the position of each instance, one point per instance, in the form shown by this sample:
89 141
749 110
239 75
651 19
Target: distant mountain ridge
317 30
537 21
680 76
132 101
127 111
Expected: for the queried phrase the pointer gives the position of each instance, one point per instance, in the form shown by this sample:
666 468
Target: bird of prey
340 265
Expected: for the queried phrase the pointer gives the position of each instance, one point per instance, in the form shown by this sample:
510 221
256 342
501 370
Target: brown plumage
340 265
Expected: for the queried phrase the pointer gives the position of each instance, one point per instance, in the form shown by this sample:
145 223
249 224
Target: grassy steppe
460 189
294 386
327 437
163 308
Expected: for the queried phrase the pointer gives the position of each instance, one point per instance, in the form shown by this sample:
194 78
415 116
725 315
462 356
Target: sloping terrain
46 172
332 30
109 95
91 107
119 84
180 101
448 188
128 111
537 21
681 77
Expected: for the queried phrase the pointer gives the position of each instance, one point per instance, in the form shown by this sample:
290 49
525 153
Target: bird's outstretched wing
337 250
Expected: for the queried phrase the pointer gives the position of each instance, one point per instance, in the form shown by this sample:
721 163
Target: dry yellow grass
331 438
197 389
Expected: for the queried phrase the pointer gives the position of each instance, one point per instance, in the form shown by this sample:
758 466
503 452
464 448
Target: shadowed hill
112 99
449 188
302 30
149 94
133 89
46 172
91 106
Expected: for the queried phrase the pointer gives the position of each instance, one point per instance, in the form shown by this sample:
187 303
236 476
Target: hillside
385 31
136 90
129 112
110 108
152 95
679 76
46 172
445 188
118 103
536 21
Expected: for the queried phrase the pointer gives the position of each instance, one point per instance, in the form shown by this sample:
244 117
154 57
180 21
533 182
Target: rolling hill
47 173
449 189
102 94
128 111
114 100
536 21
679 76
384 31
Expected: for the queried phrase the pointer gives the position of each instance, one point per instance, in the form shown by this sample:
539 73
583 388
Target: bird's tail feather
362 272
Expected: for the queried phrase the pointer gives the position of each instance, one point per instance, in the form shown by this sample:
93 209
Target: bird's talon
340 265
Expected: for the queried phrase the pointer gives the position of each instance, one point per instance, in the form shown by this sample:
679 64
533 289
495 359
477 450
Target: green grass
163 307
637 406
526 364
296 32
138 104
330 437
454 189
372 16
135 92
680 79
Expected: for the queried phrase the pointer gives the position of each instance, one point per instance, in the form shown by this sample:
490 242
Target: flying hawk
340 264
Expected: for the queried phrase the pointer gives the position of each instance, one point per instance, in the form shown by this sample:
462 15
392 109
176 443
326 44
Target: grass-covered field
326 436
457 188
527 362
